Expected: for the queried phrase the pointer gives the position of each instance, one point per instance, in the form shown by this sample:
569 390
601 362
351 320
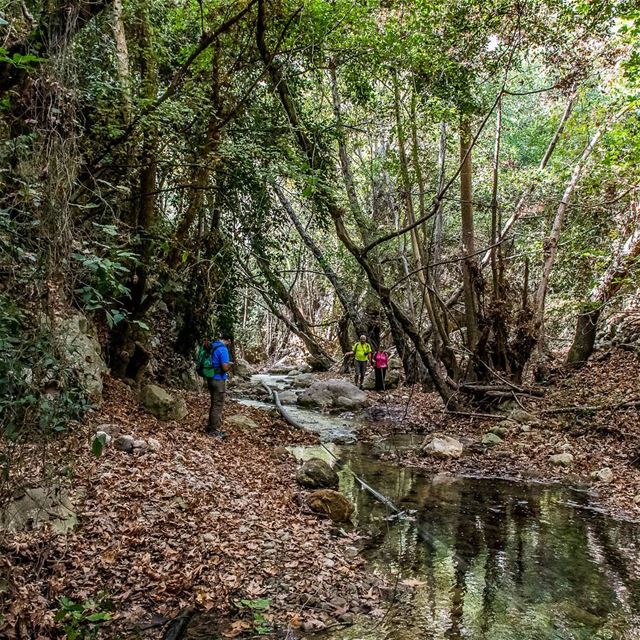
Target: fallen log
630 404
499 390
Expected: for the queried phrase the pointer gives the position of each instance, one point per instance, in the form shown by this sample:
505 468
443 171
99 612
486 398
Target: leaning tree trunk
344 298
610 283
320 359
551 243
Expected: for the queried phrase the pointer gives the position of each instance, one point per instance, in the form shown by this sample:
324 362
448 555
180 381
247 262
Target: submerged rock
317 474
561 459
443 447
162 404
330 503
333 394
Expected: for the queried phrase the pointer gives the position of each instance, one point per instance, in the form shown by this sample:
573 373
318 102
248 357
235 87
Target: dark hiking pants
361 368
381 374
217 391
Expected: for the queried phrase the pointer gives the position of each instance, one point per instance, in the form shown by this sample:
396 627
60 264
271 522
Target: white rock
444 447
561 459
153 444
106 438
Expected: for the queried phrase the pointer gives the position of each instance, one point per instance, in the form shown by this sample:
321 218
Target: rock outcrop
83 353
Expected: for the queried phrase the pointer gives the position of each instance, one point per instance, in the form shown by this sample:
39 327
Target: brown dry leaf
236 628
412 582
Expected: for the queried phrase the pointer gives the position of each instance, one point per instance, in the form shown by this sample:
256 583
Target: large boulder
83 353
317 474
243 369
333 394
162 404
442 447
330 503
303 380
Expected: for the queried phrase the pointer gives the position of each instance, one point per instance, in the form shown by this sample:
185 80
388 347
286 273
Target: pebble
209 537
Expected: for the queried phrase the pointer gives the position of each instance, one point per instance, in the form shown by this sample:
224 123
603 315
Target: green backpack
204 368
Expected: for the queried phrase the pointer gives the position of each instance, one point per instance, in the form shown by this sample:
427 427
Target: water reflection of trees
500 560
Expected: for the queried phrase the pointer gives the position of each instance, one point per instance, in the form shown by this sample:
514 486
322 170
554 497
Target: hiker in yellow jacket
362 352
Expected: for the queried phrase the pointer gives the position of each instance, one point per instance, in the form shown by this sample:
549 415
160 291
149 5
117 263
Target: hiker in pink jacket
380 362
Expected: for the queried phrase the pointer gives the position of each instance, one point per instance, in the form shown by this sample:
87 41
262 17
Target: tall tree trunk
551 243
122 60
470 270
610 283
345 163
321 359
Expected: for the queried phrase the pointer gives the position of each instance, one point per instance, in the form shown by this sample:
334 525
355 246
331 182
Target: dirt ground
201 521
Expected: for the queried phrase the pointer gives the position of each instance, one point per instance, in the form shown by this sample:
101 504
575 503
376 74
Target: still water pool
490 559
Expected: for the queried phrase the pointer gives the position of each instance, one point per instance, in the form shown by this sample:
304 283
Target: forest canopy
456 180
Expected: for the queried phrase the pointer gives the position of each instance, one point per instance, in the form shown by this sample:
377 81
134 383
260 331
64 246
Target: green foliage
38 389
20 61
258 607
82 620
102 270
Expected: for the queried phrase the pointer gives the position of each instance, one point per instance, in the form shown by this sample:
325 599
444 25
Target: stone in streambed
317 474
333 394
302 380
561 459
330 503
443 447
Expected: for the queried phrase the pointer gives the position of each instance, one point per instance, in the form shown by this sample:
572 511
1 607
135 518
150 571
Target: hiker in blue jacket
213 365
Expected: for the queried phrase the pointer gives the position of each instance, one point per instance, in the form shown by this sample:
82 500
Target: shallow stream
486 559
491 559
